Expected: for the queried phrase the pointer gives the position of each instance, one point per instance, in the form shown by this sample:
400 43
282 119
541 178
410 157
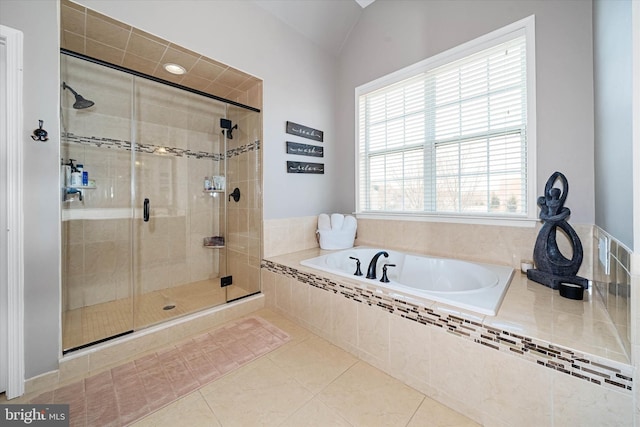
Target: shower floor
96 322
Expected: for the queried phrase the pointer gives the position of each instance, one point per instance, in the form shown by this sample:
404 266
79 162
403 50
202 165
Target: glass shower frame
163 270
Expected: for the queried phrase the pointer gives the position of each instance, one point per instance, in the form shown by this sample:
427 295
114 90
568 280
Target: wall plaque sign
304 149
304 167
305 132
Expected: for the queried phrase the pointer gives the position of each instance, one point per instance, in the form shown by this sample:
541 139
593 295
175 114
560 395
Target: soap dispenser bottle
76 176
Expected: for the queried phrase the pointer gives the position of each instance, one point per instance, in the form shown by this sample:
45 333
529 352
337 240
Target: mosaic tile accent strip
133 390
587 367
118 144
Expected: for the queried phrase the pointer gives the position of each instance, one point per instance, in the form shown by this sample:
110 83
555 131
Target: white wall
299 80
298 83
300 86
37 19
392 34
613 147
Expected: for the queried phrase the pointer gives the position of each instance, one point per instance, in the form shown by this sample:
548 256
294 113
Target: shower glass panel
244 217
148 238
97 294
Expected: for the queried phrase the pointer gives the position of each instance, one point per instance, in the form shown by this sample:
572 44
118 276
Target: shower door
244 217
179 225
155 233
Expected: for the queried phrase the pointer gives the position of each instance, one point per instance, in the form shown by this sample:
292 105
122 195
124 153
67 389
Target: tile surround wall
286 235
481 243
439 362
489 375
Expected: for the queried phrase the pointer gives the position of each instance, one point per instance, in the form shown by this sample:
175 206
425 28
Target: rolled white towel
324 222
336 231
350 223
337 220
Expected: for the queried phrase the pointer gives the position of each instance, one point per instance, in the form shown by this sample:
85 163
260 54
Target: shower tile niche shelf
216 242
212 192
81 187
71 191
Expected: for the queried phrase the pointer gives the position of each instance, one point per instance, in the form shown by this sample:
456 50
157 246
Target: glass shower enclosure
153 227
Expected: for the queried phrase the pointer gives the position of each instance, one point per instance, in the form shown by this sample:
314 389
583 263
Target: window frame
524 27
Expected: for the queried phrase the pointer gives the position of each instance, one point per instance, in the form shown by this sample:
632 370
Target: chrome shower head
81 102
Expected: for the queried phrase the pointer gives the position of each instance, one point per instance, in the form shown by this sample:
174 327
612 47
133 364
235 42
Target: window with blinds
449 139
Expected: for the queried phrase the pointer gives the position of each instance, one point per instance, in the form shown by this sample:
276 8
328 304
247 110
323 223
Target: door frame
12 284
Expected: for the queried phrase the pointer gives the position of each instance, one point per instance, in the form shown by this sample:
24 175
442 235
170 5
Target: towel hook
40 134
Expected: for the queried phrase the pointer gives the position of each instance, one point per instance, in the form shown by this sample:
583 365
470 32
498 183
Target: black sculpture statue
553 269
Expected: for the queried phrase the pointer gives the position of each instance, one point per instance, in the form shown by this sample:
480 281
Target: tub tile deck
533 322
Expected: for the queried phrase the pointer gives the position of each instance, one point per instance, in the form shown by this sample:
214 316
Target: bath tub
471 286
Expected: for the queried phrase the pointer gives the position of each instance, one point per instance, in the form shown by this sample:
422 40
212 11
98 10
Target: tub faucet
358 272
371 271
385 279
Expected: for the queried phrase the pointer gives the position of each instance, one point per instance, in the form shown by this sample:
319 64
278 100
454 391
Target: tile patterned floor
306 381
130 391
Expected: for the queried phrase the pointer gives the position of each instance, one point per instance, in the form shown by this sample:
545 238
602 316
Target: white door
11 228
3 220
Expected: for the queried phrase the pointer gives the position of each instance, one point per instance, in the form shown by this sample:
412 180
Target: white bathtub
466 285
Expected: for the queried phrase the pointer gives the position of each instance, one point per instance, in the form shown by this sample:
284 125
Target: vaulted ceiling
327 23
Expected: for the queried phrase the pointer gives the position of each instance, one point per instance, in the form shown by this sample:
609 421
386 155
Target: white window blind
449 140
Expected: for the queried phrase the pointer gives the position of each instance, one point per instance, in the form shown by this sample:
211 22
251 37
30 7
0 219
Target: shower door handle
145 210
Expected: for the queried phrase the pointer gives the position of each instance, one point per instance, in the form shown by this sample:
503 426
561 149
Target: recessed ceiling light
174 68
364 3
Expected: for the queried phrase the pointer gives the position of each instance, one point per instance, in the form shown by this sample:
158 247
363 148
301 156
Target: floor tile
259 393
314 363
434 414
315 414
365 396
191 410
134 389
307 381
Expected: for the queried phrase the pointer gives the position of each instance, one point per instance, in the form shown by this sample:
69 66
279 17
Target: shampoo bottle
65 175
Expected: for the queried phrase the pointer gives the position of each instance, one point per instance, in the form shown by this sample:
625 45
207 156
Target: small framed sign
304 167
305 132
304 149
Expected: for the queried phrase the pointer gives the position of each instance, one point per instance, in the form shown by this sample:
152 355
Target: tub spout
371 271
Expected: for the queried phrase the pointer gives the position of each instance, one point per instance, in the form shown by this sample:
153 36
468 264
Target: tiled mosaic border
583 366
118 144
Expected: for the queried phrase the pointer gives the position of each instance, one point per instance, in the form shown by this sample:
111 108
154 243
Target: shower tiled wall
179 142
614 283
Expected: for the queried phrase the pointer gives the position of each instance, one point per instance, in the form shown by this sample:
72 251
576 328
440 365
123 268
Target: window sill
456 219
